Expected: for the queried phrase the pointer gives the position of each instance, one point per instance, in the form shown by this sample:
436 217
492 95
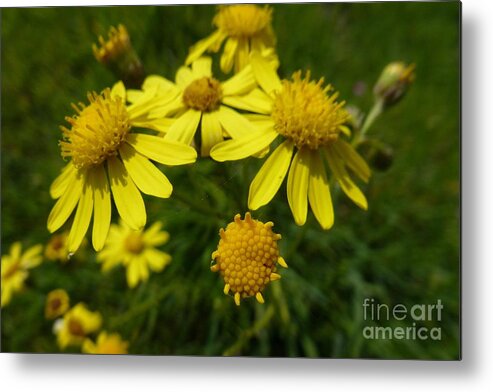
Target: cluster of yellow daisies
113 143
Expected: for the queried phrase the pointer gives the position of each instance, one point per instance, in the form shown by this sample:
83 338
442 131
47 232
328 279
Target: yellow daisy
199 101
245 28
57 303
106 343
109 158
15 268
136 250
76 324
310 121
247 257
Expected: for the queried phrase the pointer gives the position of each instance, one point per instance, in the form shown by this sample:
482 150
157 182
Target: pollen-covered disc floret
247 257
243 20
308 113
203 94
97 130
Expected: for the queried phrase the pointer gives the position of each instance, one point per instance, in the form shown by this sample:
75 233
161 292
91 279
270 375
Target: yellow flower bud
394 82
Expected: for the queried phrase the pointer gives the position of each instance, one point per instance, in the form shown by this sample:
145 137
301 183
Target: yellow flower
136 250
106 344
107 157
57 303
15 268
198 101
77 323
311 121
246 28
57 248
246 257
118 44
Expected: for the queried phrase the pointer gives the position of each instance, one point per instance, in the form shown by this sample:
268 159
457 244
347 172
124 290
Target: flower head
136 250
196 101
394 81
106 343
57 303
246 28
77 323
311 121
15 266
108 158
247 257
57 248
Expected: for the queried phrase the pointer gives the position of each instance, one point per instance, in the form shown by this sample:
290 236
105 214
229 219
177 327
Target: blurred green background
405 249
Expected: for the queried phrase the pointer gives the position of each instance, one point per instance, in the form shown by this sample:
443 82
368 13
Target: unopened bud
117 54
379 155
394 82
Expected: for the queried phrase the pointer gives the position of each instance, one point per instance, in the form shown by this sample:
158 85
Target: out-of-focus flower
15 266
394 82
311 122
57 248
57 303
247 257
109 158
106 343
77 323
246 28
118 54
136 250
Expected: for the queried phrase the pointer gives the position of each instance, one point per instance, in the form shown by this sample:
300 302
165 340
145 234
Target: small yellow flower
310 120
15 268
77 323
246 28
57 303
247 257
199 101
57 248
117 44
108 158
136 250
106 344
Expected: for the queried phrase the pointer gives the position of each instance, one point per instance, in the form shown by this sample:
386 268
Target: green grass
405 249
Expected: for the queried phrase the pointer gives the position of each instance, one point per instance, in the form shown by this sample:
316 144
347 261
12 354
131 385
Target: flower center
55 303
97 130
203 94
304 112
134 243
246 255
243 20
75 328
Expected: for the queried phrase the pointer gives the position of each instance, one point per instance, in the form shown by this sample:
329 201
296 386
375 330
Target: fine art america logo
412 317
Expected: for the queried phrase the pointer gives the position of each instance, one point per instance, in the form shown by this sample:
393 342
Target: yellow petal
66 203
255 101
270 176
128 199
163 151
242 52
156 259
213 40
134 95
102 207
246 146
319 192
352 159
241 83
145 175
118 90
211 133
158 124
82 218
184 128
265 74
59 186
234 123
202 67
157 83
133 274
184 77
342 177
298 185
228 55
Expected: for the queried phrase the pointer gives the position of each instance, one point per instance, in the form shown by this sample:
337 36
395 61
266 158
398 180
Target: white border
82 373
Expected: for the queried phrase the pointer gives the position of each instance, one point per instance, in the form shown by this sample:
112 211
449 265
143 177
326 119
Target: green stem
373 114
